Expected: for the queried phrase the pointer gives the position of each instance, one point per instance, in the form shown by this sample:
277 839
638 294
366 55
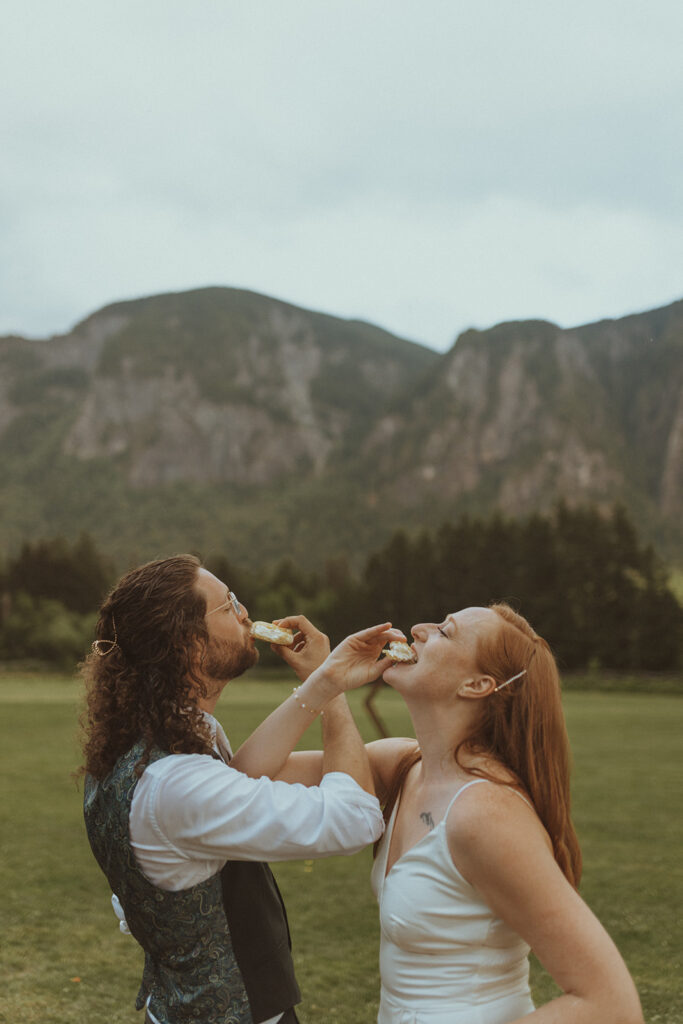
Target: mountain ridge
180 420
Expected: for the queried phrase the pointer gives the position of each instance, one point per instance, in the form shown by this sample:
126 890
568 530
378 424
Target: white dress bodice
445 958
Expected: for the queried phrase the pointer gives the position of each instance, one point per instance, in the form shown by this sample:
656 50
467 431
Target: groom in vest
179 832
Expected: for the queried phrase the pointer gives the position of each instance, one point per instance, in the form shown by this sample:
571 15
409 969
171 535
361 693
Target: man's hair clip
104 647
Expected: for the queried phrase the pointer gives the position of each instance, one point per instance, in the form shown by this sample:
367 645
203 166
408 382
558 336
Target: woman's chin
387 674
396 672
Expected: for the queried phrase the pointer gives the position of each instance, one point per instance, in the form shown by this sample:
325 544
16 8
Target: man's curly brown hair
147 686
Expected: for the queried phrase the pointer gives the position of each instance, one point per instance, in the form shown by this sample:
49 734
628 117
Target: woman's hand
354 661
309 648
351 664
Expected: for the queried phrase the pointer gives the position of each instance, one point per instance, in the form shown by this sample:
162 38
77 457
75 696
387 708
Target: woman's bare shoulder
492 815
387 755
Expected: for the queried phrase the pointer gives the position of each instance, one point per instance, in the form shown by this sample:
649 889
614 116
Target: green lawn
63 961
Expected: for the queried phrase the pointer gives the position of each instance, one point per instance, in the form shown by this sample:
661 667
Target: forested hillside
234 424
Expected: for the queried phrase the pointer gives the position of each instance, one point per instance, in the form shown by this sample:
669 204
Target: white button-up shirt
190 813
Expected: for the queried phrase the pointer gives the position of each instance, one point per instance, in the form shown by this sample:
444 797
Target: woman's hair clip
104 647
510 680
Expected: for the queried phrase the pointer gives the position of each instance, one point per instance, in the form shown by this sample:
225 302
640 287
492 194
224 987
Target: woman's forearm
353 663
267 749
573 1009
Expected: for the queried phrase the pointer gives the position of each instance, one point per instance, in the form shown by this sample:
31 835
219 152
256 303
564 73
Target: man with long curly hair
181 826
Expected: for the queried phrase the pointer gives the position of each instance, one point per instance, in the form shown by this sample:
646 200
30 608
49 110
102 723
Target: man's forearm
343 748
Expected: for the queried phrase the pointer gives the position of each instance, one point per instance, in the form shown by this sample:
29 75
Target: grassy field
63 961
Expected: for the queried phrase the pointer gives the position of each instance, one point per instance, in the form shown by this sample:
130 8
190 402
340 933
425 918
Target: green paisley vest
217 953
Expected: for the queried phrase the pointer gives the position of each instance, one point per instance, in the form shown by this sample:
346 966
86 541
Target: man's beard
226 660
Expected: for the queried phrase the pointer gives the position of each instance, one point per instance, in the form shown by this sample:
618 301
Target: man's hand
309 648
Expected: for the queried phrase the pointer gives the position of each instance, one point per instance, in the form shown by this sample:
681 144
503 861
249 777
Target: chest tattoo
427 818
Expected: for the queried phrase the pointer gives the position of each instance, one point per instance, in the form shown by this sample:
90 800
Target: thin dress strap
474 782
522 797
461 790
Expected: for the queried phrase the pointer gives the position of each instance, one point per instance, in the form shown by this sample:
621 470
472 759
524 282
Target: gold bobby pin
104 647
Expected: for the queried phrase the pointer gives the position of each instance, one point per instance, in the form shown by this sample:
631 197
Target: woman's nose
419 631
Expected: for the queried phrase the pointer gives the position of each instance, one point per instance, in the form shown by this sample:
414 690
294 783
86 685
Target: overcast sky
427 166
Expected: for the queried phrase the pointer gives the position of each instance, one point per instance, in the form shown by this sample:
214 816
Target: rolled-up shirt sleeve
204 809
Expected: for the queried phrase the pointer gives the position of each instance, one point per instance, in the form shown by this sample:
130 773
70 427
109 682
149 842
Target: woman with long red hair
479 862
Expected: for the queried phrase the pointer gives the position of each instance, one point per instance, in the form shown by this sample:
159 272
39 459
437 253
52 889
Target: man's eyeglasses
232 600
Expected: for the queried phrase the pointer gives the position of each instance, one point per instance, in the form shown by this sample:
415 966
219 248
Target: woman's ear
476 687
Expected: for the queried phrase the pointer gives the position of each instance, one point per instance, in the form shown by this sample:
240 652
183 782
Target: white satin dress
444 957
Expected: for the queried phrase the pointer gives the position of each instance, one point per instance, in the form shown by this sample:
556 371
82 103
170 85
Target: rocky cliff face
237 395
671 487
526 413
230 390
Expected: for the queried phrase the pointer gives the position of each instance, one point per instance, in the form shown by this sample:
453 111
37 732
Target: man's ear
476 687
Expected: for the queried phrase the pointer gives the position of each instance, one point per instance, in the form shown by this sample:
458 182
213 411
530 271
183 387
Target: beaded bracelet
303 704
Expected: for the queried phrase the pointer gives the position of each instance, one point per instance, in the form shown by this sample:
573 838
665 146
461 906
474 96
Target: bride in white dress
480 862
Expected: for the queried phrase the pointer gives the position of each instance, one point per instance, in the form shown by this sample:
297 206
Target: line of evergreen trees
50 594
584 580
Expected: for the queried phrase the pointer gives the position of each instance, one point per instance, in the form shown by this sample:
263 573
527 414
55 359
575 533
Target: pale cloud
424 166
